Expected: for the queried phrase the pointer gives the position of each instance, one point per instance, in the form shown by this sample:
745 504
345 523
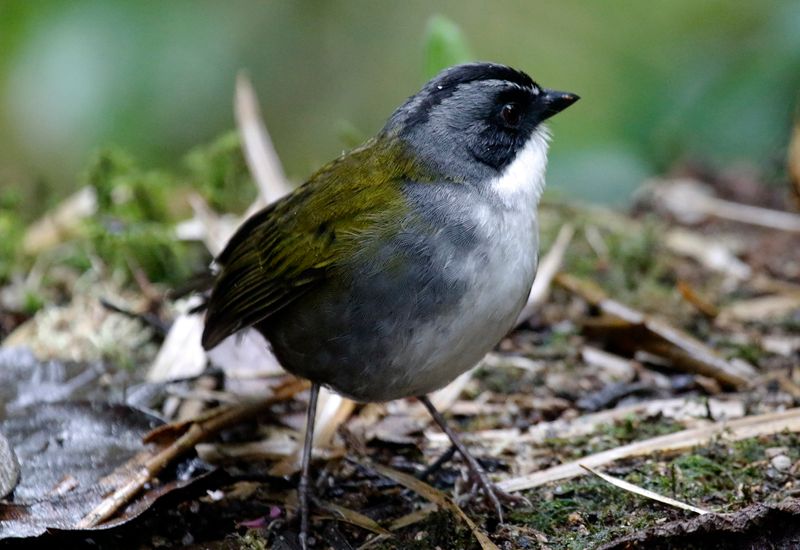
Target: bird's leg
438 463
302 489
492 492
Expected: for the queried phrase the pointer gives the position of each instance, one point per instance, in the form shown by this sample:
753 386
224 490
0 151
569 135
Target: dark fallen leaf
86 441
9 467
72 455
25 380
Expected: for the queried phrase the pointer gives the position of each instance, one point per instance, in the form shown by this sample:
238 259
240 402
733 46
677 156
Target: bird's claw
495 496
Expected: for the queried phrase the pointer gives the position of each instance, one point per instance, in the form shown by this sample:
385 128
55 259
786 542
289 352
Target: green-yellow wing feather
281 252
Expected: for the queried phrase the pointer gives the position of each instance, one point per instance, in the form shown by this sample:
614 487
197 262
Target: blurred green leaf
445 45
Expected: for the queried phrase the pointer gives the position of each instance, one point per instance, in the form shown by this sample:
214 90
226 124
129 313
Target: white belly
499 280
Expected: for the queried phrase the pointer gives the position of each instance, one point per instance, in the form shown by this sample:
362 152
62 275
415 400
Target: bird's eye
511 114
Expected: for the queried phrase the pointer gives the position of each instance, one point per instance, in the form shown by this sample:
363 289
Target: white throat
523 179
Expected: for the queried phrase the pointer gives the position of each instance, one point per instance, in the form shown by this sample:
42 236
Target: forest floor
662 349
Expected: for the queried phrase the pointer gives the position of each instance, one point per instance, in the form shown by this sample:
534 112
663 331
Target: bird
397 266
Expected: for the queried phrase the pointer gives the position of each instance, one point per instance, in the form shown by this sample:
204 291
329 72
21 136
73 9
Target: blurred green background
660 81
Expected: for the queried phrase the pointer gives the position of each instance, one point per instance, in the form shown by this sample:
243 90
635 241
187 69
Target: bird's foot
495 496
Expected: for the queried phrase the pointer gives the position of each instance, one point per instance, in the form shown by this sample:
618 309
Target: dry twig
260 153
196 432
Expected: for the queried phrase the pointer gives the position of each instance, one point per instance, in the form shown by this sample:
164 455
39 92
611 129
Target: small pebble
216 495
782 463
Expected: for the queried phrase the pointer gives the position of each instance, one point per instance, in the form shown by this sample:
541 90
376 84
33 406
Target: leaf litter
658 348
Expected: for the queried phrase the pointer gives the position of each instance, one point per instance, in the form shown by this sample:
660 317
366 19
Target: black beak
554 102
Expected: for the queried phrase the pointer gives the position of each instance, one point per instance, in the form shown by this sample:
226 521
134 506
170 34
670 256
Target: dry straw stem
401 523
333 410
630 487
548 267
258 149
793 159
663 339
194 433
763 308
696 300
354 518
692 201
677 408
735 430
438 498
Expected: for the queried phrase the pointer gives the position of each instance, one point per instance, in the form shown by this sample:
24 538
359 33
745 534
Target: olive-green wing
286 249
272 260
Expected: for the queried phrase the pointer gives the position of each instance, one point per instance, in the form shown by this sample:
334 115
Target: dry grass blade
438 498
677 408
400 523
630 487
763 309
354 518
413 517
696 300
793 161
259 151
197 432
735 430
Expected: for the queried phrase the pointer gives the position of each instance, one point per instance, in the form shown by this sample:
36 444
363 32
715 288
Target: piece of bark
759 526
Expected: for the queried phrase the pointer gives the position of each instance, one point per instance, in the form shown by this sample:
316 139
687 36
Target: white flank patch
524 177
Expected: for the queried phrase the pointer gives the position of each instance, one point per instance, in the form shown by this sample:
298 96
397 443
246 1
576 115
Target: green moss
129 194
138 210
218 171
626 430
746 351
151 247
586 512
251 540
134 226
32 303
9 244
